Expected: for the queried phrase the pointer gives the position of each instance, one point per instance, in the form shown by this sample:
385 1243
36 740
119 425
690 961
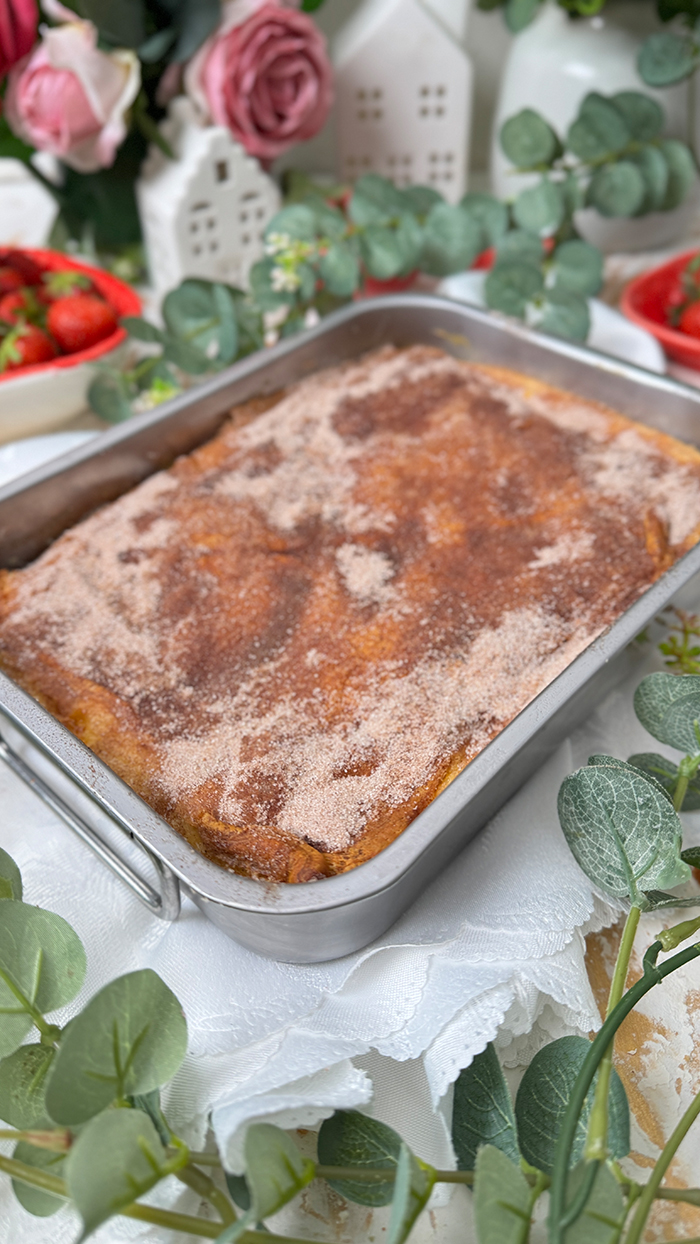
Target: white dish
25 455
45 399
610 332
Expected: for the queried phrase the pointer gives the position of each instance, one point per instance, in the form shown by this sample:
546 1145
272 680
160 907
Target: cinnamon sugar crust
293 639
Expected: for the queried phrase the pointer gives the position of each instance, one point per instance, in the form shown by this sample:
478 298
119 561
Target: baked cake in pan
293 639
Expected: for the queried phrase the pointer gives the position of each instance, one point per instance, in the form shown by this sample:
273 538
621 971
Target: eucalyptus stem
664 1161
48 1031
597 1138
653 974
205 1187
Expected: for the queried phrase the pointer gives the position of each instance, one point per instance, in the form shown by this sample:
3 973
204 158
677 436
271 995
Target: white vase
551 66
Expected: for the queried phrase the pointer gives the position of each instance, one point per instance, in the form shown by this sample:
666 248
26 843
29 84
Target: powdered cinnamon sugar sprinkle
311 621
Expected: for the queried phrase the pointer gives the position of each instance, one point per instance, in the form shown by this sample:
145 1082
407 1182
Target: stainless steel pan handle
163 902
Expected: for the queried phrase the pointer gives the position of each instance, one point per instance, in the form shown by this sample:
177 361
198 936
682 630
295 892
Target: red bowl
121 297
646 301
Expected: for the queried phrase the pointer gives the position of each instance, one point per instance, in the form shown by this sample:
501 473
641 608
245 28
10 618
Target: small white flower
284 281
275 319
277 242
312 318
271 337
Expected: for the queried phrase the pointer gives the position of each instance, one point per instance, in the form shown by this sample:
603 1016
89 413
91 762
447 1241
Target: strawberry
10 279
25 346
689 321
60 284
21 305
80 321
27 267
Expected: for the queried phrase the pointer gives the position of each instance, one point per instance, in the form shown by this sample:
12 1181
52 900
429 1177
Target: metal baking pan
329 918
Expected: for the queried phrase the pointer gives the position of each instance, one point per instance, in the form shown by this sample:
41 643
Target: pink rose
266 77
69 98
18 23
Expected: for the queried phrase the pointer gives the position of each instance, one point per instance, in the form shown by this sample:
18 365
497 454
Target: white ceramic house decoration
404 90
203 213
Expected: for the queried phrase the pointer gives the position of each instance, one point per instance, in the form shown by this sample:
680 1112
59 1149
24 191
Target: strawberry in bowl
666 302
57 316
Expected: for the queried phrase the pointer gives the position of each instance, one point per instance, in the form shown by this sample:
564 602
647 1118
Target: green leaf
23 1085
604 1214
129 1039
376 201
614 763
573 194
420 199
238 1190
202 314
329 222
655 171
482 1113
665 773
540 209
264 295
155 47
41 959
115 1160
622 831
542 1098
528 141
298 221
412 1187
186 356
563 314
511 285
666 57
40 1204
577 267
10 877
275 1173
617 189
521 246
142 330
691 856
409 239
149 1103
519 14
681 172
644 117
489 213
668 706
198 18
451 240
381 252
310 6
108 397
599 130
119 21
501 1198
353 1139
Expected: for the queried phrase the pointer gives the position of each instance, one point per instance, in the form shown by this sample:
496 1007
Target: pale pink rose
70 99
18 25
266 77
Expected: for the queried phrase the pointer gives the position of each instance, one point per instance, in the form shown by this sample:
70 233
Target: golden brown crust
290 642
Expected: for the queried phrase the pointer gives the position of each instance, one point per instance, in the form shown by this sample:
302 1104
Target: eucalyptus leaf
409 239
142 330
482 1113
654 169
563 314
23 1085
489 213
501 1198
420 199
119 21
297 221
275 1173
41 960
519 14
613 762
412 1187
265 296
666 57
186 356
542 1098
577 267
129 1039
540 209
198 18
528 140
599 130
149 1103
381 252
108 396
602 1218
668 706
451 240
238 1190
329 222
376 201
10 877
114 1160
665 773
34 1200
203 314
622 831
511 285
520 245
644 117
353 1139
617 189
339 270
156 46
681 172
